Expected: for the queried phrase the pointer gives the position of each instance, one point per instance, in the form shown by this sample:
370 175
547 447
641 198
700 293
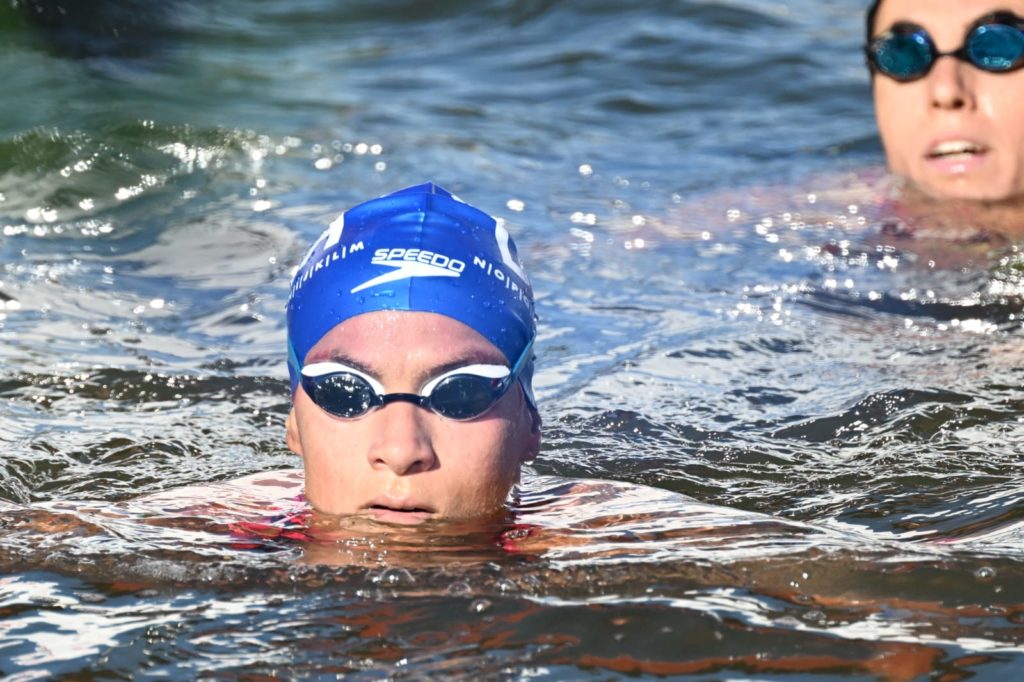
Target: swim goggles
994 43
461 394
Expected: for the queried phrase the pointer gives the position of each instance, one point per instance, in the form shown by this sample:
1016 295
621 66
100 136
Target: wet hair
870 23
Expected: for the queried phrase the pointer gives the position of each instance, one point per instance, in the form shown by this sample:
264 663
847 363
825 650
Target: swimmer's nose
402 441
950 84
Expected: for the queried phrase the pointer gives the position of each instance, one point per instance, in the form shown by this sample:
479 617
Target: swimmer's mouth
398 510
956 150
386 508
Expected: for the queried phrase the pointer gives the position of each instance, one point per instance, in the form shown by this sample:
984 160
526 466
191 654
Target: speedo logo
409 263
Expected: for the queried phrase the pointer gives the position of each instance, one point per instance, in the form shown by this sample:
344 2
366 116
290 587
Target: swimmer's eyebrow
469 358
351 362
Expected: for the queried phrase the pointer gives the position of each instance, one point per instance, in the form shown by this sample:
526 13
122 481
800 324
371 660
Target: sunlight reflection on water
726 313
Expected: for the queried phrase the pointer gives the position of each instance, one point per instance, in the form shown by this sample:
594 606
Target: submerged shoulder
583 519
255 493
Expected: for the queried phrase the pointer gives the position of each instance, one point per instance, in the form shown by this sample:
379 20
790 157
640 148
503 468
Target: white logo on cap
329 238
409 263
502 236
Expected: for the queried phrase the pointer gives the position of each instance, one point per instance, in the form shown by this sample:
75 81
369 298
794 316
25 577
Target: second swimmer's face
402 463
957 133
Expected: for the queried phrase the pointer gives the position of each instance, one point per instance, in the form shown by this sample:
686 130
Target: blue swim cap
419 249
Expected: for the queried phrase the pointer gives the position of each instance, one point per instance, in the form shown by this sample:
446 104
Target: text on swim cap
325 261
497 273
382 256
410 263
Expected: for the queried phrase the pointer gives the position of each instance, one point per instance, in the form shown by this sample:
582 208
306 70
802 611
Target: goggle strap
524 357
401 398
293 360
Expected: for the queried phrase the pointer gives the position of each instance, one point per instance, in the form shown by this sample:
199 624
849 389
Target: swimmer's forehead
941 16
427 342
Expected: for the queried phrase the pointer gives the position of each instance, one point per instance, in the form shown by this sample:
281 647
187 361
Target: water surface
696 188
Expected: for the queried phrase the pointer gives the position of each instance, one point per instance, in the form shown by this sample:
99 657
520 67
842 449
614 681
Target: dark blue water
697 190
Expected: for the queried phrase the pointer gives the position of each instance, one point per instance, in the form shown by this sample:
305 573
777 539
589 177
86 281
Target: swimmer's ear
291 435
533 439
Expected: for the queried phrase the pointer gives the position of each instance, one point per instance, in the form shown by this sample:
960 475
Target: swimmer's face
957 133
402 463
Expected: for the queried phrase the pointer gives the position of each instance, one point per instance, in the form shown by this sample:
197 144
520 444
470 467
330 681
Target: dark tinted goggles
995 43
461 394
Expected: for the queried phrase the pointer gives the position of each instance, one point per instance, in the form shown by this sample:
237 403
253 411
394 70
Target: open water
696 188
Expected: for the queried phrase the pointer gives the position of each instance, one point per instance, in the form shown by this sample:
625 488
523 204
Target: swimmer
947 82
410 352
948 87
410 336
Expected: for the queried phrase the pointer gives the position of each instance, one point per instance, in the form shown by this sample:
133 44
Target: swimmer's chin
950 191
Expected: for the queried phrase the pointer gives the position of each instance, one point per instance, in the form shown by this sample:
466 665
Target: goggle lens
903 56
996 47
342 394
465 396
